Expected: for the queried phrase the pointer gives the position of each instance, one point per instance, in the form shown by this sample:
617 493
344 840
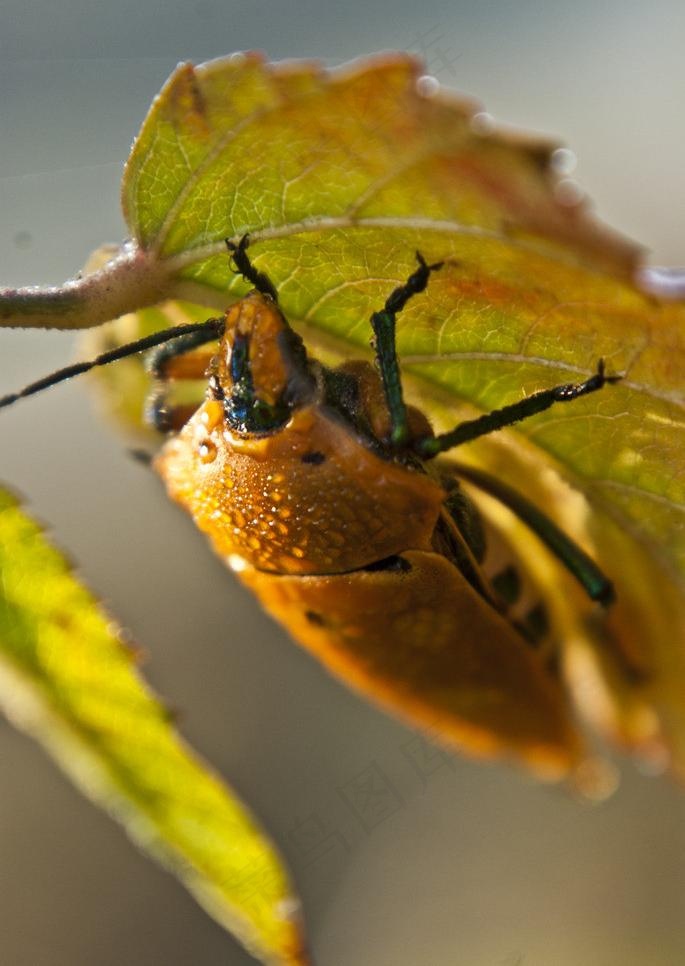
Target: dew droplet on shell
482 123
563 161
427 85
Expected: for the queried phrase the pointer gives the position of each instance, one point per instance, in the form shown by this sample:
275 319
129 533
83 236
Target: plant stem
130 281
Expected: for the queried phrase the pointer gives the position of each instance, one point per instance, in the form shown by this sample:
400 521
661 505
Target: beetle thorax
308 498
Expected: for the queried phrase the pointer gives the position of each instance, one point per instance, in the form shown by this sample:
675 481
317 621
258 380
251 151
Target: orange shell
308 499
425 644
301 513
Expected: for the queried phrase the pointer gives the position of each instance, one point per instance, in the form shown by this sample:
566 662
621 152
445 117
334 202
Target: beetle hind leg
580 565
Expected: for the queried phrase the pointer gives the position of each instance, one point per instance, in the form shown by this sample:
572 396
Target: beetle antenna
213 327
244 267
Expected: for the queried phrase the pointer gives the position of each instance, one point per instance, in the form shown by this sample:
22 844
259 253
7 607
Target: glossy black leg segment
536 403
158 359
383 324
244 267
157 411
595 583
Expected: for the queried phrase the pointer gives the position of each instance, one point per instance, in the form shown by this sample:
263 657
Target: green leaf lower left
68 680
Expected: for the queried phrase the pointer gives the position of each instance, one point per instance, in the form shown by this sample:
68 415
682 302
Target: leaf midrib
177 262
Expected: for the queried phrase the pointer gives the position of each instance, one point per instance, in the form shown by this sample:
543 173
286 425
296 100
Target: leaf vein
189 256
674 398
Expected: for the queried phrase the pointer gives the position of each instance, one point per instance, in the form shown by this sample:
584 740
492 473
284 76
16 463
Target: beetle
331 499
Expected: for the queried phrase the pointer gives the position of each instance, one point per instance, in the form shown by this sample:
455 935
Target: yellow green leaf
67 678
339 176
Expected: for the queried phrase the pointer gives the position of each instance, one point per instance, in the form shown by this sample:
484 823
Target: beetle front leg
383 324
244 267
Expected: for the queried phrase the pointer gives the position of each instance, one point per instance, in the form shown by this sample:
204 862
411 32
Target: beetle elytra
331 500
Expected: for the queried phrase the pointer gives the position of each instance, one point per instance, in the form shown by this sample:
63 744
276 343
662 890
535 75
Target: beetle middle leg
383 325
172 362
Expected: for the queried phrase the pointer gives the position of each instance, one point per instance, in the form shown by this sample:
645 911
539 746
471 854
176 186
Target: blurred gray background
458 864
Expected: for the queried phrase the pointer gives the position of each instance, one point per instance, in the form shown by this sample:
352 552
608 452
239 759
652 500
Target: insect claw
424 264
241 245
601 373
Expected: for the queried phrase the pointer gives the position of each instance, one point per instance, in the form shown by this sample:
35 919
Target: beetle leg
383 324
244 267
171 362
594 582
508 415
